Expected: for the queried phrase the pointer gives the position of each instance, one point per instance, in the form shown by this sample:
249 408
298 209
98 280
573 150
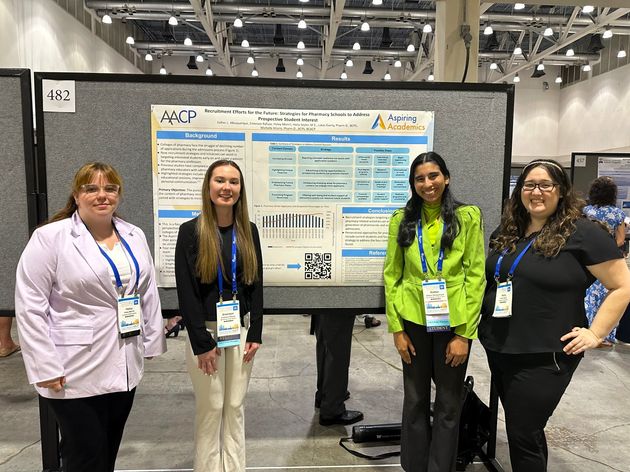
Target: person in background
434 285
602 199
7 345
218 270
88 314
543 257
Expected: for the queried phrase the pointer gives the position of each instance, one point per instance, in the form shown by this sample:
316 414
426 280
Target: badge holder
129 315
228 323
436 307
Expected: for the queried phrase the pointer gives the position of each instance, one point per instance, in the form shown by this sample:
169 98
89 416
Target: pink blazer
65 306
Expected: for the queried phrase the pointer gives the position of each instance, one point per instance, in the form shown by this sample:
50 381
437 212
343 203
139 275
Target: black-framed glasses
93 189
542 186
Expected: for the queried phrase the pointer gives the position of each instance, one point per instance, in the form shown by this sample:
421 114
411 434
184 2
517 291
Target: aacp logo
378 122
183 116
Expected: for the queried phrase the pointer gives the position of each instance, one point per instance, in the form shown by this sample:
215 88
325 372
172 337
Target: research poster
619 169
321 184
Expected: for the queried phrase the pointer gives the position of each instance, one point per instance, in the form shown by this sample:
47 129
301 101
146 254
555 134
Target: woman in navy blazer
66 304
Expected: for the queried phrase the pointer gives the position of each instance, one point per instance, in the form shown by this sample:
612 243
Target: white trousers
219 411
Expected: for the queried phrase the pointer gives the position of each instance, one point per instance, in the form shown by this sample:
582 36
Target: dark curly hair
515 218
603 192
413 209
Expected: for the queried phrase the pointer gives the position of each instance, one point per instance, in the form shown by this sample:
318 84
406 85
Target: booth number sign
58 96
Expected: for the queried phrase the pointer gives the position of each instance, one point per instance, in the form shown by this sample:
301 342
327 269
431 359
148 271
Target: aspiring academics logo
396 122
178 117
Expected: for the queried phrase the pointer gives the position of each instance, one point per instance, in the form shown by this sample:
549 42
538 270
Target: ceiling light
344 75
586 67
540 66
397 63
538 73
148 57
187 41
516 79
411 48
368 68
431 77
588 9
488 30
607 33
245 43
299 73
304 1
162 70
365 26
199 58
559 79
570 52
377 2
387 75
621 54
300 61
209 71
250 59
192 64
356 46
427 28
107 19
349 62
300 45
548 31
130 40
595 44
254 72
172 20
518 51
280 66
494 66
302 24
238 22
519 6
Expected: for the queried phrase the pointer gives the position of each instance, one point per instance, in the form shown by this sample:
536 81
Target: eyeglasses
542 186
93 189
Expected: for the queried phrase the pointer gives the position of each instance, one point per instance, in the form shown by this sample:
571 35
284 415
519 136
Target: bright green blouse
463 270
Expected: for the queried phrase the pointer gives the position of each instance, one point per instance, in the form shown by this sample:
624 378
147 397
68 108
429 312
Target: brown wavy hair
210 240
554 234
85 175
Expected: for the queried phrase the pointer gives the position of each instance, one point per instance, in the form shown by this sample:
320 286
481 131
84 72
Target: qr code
317 265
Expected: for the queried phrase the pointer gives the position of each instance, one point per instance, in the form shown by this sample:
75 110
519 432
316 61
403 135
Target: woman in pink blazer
88 313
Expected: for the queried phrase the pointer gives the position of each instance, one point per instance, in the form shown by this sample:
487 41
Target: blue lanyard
423 256
514 264
119 284
220 272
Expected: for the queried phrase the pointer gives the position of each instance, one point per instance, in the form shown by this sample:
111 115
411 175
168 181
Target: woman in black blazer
218 268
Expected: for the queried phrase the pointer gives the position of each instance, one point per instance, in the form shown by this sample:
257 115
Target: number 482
59 95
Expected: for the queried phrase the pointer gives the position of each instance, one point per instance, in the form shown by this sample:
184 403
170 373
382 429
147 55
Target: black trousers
334 341
91 430
426 448
530 387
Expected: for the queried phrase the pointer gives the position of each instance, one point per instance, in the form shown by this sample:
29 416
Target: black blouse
197 301
548 293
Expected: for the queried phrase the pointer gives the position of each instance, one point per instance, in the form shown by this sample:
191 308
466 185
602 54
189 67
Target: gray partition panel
16 153
112 123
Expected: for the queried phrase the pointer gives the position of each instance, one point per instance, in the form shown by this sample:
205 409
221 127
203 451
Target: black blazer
197 301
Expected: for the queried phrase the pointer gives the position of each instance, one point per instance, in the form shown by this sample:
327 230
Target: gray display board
473 131
16 154
584 169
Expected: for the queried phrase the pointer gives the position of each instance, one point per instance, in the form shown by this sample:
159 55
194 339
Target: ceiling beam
534 58
484 7
205 16
336 14
595 3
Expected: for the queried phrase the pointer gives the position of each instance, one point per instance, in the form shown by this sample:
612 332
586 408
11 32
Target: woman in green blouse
434 284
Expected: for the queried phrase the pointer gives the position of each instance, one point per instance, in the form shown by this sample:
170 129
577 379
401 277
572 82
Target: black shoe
318 399
345 418
371 322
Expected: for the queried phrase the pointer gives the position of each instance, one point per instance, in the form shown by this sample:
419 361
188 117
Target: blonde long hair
208 232
85 175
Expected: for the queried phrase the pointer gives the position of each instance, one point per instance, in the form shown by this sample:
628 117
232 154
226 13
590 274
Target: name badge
503 302
129 316
228 324
436 308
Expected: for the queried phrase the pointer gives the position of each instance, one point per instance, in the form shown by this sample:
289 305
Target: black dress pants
530 387
334 341
91 430
426 448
